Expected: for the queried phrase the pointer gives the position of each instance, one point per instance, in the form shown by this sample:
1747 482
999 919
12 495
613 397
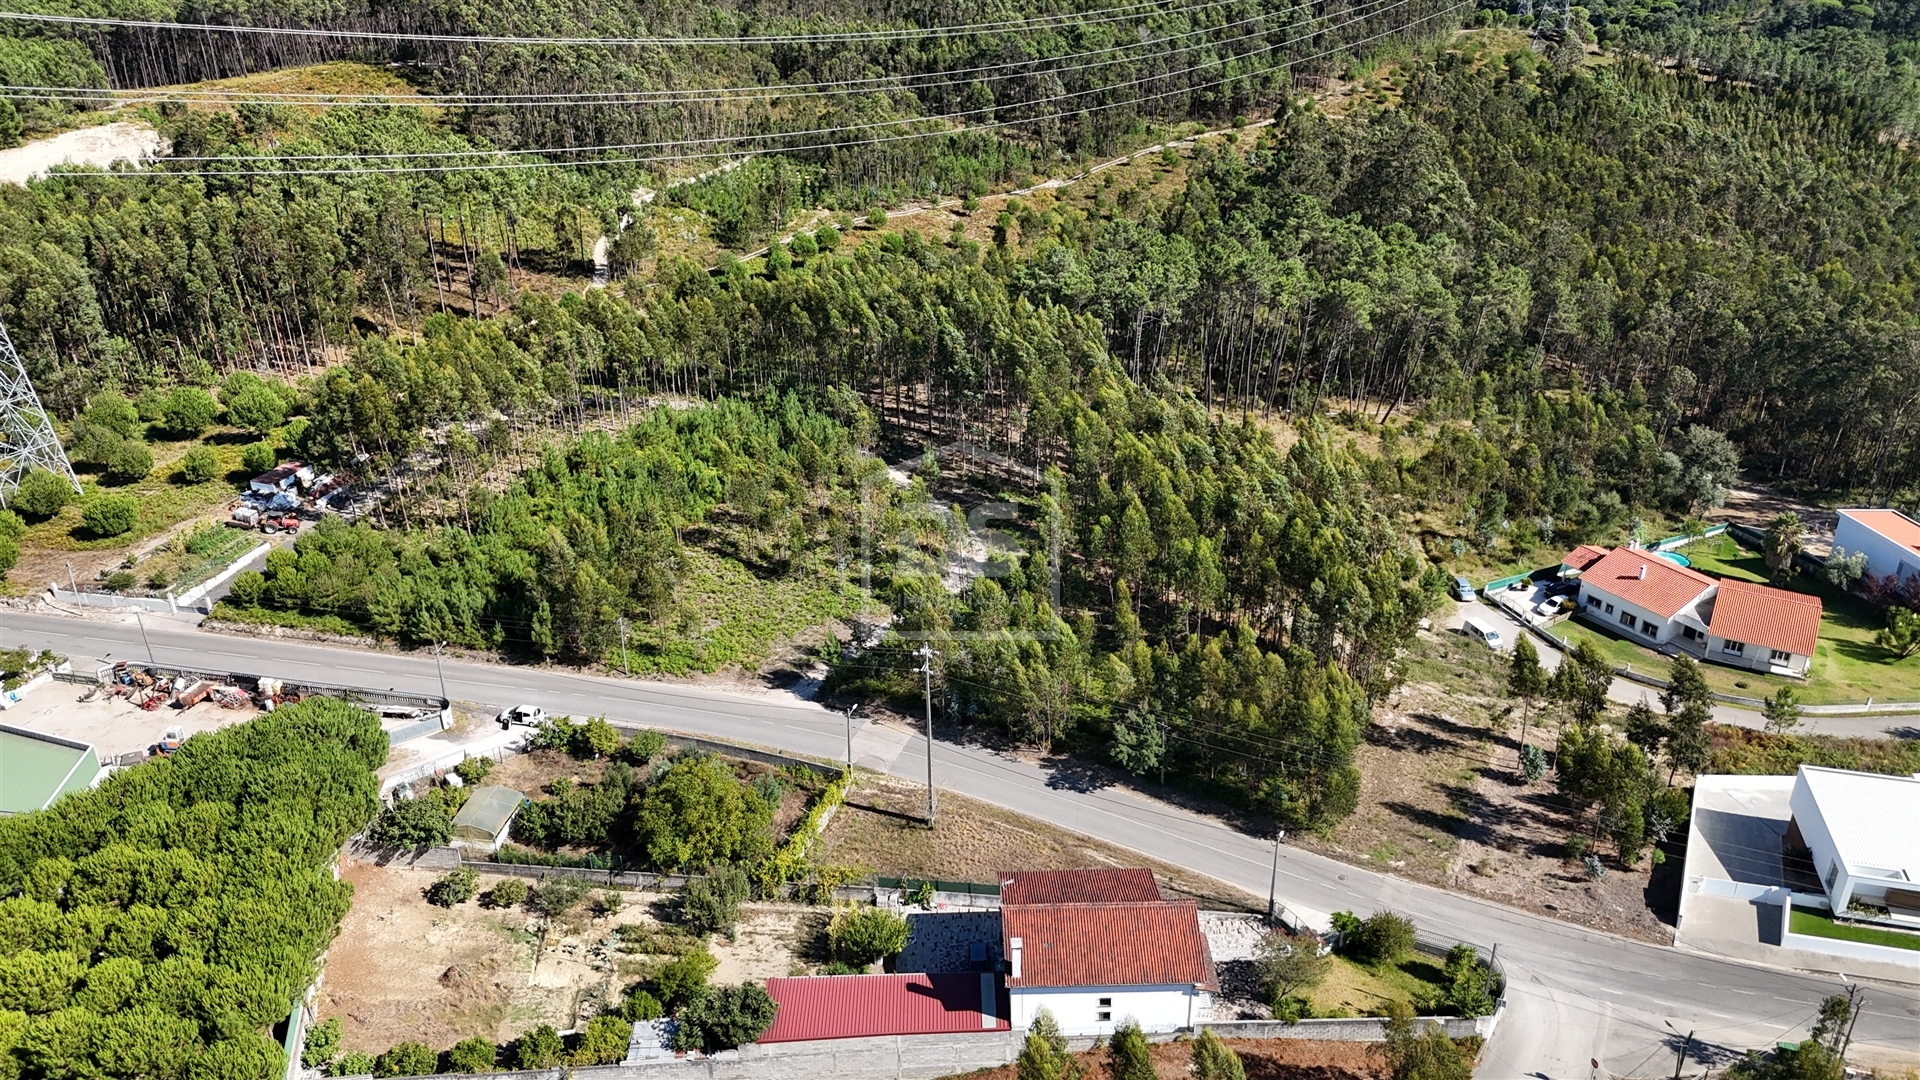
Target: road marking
1731 990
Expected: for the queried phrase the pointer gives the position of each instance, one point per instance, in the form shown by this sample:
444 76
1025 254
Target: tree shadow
1662 894
1448 824
1068 774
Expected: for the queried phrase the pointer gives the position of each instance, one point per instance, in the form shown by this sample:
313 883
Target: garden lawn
1847 666
1819 924
1365 989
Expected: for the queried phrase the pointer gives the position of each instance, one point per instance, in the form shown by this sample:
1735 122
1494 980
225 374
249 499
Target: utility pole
1853 1017
1273 883
27 438
624 666
137 617
850 709
72 585
925 653
442 673
1491 962
1682 1059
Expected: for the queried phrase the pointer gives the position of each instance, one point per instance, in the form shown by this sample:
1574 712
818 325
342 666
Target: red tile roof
1583 556
1155 943
1757 615
856 1006
1076 887
1891 524
1662 587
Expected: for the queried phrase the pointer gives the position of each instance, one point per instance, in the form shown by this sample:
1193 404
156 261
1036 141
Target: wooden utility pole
925 653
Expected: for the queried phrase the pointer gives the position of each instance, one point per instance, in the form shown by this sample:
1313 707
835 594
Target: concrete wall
1078 1009
1906 959
1883 555
1826 854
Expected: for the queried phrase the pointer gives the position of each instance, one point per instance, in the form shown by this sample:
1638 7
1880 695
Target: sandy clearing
100 146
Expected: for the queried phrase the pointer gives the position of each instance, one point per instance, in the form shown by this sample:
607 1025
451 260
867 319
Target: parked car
1553 605
1475 628
1462 589
1564 588
531 715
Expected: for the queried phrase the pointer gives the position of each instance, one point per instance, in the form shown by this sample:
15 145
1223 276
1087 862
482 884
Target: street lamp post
925 653
441 671
850 710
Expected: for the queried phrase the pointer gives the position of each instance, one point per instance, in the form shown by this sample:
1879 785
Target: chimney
1014 949
1643 571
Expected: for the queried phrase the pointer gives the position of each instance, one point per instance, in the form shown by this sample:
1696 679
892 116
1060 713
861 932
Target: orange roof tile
1156 943
1775 618
1891 524
1584 556
1076 886
1646 580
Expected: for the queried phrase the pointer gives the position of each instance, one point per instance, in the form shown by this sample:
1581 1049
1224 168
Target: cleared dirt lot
113 726
403 969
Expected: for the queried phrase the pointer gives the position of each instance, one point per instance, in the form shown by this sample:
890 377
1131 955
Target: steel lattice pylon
26 435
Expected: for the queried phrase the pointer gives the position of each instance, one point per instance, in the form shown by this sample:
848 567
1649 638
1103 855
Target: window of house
1106 1010
1734 648
1593 601
1609 609
1649 626
1627 619
1780 656
1833 873
1689 633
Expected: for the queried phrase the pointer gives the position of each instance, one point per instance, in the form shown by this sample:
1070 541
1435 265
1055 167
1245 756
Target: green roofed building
484 819
36 769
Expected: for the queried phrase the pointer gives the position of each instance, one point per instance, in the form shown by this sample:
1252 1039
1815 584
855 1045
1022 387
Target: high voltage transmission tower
27 440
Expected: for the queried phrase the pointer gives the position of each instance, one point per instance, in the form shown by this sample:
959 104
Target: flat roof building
36 769
1860 829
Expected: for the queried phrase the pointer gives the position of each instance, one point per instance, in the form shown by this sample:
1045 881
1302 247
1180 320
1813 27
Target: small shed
286 477
37 768
488 814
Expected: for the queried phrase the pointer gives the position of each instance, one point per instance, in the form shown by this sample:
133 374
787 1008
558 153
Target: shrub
1215 1060
457 887
506 894
128 461
247 587
826 238
407 1059
557 896
351 1063
685 980
604 1042
200 465
642 1005
877 216
474 770
541 1048
1465 990
861 935
323 1041
769 789
1291 965
255 407
412 823
475 1055
188 411
258 457
111 515
698 815
42 494
727 1017
1533 763
1128 1056
645 745
9 553
12 525
111 412
1381 938
712 903
594 739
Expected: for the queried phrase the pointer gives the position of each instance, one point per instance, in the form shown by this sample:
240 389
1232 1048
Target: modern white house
1657 602
1889 538
1861 830
1094 961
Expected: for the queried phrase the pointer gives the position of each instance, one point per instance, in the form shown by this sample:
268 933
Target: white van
1474 628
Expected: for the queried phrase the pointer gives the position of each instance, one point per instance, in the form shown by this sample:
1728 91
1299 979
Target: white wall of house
1755 657
1826 855
1094 1010
1883 555
1607 613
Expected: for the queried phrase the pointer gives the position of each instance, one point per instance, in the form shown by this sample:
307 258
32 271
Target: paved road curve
1575 994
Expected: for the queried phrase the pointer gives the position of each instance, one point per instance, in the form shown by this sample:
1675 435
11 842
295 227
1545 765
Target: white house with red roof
1657 602
1890 539
1099 947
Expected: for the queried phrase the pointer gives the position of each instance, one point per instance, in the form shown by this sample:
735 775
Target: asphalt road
1574 994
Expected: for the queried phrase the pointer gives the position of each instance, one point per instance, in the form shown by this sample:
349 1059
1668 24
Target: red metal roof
1157 943
856 1006
1775 618
1644 579
1583 556
1076 887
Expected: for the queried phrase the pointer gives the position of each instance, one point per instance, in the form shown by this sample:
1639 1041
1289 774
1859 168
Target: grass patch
291 620
1847 666
1365 989
1742 751
1819 924
735 616
163 503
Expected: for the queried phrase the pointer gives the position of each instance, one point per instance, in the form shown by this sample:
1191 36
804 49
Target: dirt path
100 146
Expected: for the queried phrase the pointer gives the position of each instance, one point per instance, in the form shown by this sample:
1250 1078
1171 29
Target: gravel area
101 146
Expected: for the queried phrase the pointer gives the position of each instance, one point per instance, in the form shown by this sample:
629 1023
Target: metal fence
913 885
